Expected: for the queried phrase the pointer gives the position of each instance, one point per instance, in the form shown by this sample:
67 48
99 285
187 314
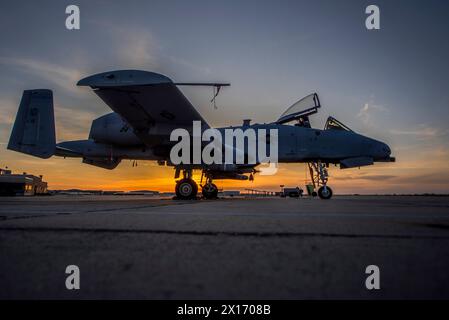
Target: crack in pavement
6 218
223 233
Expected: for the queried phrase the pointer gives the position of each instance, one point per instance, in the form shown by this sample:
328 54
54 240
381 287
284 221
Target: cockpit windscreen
334 124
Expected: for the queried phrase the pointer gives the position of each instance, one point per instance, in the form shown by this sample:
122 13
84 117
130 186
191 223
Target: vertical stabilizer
34 128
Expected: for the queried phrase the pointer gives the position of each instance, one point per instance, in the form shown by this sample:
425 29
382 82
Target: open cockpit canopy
301 110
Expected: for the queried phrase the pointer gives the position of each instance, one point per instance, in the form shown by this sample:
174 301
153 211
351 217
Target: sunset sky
391 84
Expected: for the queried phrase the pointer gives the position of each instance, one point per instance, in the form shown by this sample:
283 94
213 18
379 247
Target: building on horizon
24 184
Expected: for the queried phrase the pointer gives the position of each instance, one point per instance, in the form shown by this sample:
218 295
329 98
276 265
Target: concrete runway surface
137 247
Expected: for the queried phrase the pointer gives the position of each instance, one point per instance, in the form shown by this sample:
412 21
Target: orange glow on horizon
401 177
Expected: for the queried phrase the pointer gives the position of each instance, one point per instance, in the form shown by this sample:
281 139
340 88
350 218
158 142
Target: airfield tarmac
137 247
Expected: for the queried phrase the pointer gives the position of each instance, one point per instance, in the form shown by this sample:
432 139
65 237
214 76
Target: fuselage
111 138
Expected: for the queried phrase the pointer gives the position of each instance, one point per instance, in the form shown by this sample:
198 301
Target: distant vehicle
148 106
292 192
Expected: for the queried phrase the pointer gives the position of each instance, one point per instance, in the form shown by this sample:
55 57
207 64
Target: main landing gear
319 176
187 189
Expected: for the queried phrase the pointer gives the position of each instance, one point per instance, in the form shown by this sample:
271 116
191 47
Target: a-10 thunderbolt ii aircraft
148 106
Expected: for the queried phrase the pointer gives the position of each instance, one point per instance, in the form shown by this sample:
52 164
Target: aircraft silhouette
148 106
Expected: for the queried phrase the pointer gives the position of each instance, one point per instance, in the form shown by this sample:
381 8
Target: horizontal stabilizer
34 128
102 163
356 162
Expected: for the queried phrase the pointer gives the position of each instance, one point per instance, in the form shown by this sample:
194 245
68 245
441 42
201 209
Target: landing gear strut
319 176
186 188
209 190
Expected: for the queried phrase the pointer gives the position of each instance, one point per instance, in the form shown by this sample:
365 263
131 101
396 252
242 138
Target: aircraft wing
144 99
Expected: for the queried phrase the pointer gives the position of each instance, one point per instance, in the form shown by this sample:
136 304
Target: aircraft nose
376 149
386 149
381 150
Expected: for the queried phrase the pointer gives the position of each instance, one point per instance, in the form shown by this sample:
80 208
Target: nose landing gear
325 192
209 190
319 176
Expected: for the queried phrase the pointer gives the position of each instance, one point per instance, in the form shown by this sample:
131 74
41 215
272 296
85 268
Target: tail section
34 128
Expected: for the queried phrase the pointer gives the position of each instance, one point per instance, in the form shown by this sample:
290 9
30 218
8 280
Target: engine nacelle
111 129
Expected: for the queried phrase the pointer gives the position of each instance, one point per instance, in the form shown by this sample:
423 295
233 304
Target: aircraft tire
325 193
210 192
186 189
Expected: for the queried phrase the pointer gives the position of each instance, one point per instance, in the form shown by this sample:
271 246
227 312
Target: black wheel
210 191
314 194
325 192
186 189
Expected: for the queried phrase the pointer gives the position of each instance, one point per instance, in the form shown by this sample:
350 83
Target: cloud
134 47
366 112
432 178
72 124
422 131
137 47
8 109
59 75
378 177
188 65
